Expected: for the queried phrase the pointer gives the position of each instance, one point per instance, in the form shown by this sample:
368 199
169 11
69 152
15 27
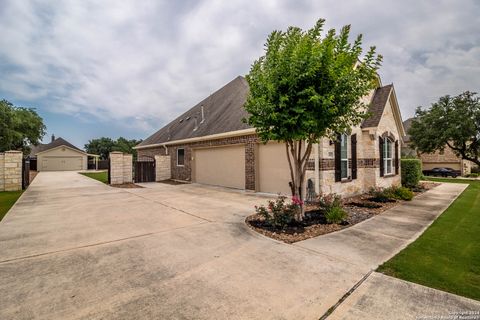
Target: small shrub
402 193
278 214
473 175
332 204
381 195
411 172
475 169
335 214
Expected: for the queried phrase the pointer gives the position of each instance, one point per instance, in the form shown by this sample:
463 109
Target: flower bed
357 208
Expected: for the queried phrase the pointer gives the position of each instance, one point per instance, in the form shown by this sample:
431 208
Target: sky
126 68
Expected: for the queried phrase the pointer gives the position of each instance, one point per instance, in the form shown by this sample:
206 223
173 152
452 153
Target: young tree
19 127
307 87
452 122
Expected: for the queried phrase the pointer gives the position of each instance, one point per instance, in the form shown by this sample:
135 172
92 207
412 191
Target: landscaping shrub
332 204
279 214
473 175
476 170
390 194
411 172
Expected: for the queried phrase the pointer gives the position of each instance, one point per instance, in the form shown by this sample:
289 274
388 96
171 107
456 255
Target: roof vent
187 118
181 120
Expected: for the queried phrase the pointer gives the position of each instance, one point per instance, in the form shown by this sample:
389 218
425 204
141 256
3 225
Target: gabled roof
223 112
379 100
54 144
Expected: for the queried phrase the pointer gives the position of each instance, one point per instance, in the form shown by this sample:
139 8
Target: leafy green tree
19 127
307 87
103 146
452 122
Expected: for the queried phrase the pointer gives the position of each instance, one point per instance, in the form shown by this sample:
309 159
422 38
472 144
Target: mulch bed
126 186
359 208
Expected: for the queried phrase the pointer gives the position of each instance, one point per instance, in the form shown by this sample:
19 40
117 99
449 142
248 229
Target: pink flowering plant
279 213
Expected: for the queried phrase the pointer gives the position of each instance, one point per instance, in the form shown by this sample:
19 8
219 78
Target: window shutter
396 157
354 156
380 144
338 164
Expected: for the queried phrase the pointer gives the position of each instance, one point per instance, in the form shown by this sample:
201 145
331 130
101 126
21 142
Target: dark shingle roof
54 144
223 112
377 106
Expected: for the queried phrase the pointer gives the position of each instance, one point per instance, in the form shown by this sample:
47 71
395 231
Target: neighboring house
58 155
442 159
210 144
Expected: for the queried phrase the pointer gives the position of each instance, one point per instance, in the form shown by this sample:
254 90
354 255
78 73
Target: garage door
222 166
273 169
62 163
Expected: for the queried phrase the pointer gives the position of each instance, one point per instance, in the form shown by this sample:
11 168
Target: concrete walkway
74 248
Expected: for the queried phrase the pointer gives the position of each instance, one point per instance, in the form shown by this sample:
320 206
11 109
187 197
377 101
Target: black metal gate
144 170
109 172
25 173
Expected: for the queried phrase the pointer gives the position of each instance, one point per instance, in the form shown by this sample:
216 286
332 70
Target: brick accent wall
185 172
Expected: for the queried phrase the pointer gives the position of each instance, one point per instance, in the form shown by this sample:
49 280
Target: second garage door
221 166
273 169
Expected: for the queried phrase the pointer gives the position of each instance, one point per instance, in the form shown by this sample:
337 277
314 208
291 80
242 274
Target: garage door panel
222 166
273 169
62 163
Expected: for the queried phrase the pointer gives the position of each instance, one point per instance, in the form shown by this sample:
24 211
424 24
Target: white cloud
142 63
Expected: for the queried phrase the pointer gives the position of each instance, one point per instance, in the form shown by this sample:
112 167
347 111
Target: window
180 157
388 156
344 156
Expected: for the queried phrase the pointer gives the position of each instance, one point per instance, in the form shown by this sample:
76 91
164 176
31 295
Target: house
442 159
58 155
210 144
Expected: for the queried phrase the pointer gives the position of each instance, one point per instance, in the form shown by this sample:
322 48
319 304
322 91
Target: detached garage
59 155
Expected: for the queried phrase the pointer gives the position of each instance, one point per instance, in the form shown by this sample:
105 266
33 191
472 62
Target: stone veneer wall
163 169
11 171
120 168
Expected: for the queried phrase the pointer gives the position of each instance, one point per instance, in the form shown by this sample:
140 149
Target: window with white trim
180 157
344 156
388 156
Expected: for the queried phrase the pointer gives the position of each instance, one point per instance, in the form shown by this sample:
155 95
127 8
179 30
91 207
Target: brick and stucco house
210 144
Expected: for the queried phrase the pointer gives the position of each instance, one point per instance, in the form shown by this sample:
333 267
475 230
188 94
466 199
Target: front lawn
100 176
7 200
447 255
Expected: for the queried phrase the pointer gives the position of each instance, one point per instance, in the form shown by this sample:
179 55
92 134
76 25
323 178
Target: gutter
195 139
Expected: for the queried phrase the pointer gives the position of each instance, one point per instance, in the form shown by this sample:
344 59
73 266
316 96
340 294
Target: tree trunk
297 161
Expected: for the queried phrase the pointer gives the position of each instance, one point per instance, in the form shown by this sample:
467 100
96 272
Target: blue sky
126 68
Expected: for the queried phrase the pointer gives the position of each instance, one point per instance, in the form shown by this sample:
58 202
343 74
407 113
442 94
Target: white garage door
221 166
62 163
273 169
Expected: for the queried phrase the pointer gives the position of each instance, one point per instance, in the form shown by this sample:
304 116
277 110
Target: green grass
100 176
7 200
447 255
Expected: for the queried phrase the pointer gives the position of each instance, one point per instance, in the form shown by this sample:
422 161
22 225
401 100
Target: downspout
317 169
166 150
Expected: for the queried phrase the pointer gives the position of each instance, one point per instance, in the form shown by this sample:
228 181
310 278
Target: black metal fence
33 164
25 173
144 170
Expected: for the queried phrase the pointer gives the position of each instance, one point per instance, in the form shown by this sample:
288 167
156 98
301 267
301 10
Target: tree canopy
308 86
103 146
452 122
19 127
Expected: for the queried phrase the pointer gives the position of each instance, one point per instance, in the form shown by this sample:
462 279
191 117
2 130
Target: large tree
19 127
452 122
103 146
308 86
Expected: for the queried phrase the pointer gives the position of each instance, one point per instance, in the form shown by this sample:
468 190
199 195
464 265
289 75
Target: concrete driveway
73 248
